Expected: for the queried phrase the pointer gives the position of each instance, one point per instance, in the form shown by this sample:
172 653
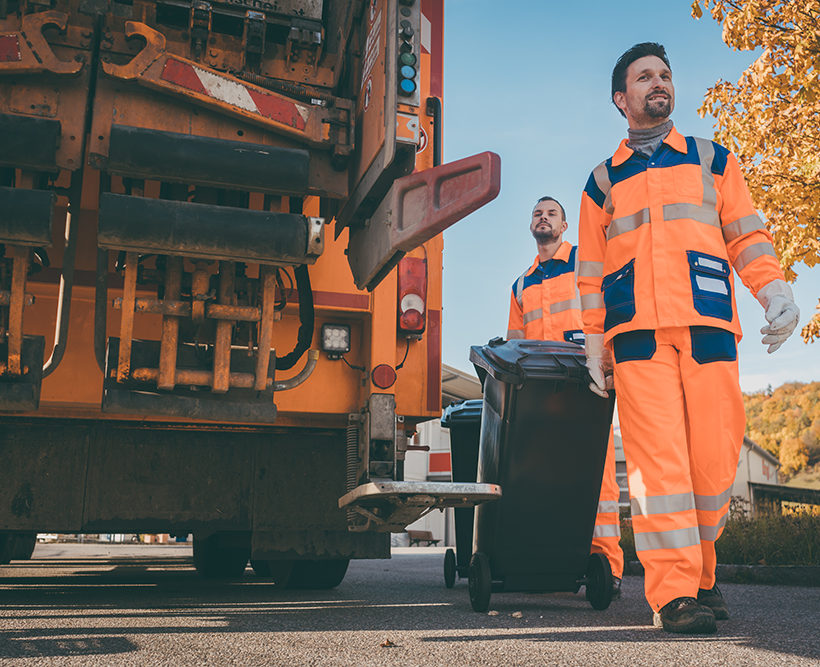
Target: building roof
458 385
753 446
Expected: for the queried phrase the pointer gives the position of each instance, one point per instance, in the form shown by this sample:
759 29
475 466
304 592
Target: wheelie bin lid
462 411
516 361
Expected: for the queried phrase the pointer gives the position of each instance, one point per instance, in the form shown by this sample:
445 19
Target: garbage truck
220 274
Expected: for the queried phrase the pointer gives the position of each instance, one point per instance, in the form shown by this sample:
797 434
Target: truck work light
335 340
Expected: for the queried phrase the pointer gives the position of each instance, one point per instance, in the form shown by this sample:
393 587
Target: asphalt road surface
90 605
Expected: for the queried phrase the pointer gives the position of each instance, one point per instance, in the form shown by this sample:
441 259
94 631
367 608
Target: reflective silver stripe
706 215
752 253
590 301
601 176
746 225
519 290
679 502
513 334
706 152
536 314
591 269
608 507
613 530
713 503
561 306
629 223
668 539
711 533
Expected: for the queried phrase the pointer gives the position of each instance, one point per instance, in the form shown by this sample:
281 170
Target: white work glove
599 364
782 313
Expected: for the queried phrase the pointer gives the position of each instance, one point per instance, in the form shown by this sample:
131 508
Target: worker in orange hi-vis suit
545 305
663 221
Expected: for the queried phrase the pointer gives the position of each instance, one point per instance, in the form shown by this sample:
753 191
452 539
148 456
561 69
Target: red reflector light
411 320
383 376
412 301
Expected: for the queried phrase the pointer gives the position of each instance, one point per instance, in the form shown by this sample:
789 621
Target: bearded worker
544 305
663 221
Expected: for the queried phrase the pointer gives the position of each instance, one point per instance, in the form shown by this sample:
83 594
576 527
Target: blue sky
532 84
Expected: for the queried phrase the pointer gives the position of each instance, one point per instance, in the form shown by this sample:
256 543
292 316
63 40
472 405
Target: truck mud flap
29 143
417 208
184 158
139 224
389 507
140 398
26 216
22 393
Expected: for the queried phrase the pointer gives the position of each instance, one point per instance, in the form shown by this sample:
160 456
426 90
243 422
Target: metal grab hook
34 52
154 48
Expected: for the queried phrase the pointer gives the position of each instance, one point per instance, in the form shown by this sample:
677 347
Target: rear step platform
389 507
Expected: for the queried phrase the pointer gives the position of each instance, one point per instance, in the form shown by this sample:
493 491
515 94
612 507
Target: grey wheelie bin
464 421
543 440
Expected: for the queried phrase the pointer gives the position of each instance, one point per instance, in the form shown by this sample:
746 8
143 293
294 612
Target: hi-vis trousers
607 534
682 423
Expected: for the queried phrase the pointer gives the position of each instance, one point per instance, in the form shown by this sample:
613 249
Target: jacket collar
674 140
562 255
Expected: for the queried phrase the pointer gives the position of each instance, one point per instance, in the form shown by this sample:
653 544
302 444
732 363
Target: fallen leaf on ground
387 643
517 614
492 613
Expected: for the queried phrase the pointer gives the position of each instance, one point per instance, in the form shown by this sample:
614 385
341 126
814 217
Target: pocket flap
703 263
620 274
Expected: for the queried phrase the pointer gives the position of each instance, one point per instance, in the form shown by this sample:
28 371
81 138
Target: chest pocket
711 285
688 183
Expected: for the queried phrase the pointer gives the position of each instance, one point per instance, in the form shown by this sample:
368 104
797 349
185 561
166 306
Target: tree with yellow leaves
770 119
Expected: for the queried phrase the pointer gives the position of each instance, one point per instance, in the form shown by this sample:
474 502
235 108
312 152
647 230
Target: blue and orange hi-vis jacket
659 235
544 304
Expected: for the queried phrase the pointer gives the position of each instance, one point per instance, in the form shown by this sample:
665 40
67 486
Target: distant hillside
786 422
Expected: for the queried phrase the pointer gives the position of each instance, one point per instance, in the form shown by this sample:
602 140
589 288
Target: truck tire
213 561
317 574
277 570
24 547
7 542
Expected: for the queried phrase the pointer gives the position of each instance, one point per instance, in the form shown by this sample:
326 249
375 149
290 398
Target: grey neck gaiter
647 141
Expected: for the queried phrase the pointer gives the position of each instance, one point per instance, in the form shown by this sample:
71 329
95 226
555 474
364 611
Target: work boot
616 588
713 599
686 616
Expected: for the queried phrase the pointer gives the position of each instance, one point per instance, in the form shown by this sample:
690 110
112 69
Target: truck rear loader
220 274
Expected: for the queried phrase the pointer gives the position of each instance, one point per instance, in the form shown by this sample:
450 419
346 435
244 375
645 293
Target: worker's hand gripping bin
543 440
463 419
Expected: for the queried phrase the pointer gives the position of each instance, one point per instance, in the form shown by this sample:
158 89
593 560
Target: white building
755 466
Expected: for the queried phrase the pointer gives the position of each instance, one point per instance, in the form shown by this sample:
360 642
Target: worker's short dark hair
635 53
563 213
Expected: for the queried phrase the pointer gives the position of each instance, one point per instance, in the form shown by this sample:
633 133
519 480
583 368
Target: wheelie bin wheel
449 568
480 582
599 581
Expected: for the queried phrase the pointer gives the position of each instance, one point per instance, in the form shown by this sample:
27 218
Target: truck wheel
277 570
599 581
7 542
480 582
449 568
317 574
213 561
24 547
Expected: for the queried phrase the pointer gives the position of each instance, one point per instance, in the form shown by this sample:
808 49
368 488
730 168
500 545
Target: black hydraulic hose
100 307
305 335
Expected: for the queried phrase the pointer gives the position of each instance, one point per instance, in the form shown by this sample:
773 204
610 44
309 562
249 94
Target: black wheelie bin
543 439
463 419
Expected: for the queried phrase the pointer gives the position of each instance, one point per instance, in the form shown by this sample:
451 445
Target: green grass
770 539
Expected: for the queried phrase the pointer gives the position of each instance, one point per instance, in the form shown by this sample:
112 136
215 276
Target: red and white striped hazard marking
236 94
9 49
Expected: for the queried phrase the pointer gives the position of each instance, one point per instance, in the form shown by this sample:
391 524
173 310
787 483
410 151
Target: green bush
768 539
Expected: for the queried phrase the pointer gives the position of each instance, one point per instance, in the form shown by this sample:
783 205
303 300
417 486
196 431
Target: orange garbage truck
220 274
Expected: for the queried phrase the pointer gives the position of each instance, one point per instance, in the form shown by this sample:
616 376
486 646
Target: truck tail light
412 296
